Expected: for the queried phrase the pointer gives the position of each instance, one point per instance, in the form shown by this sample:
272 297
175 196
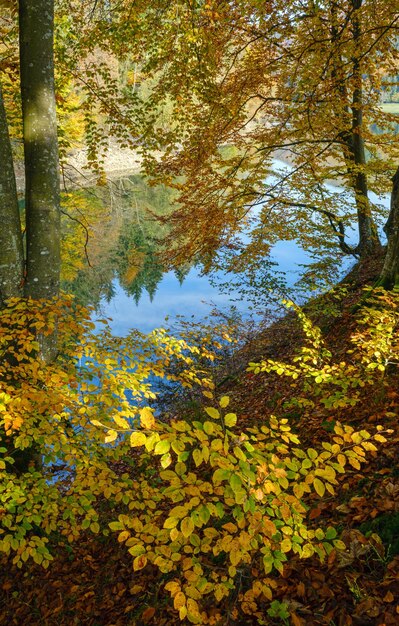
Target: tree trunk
42 184
352 137
369 242
42 190
11 248
389 278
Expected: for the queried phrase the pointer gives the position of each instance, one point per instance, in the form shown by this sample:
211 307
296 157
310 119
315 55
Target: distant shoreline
76 172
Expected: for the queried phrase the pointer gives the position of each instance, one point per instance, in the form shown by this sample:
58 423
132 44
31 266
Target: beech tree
35 273
302 81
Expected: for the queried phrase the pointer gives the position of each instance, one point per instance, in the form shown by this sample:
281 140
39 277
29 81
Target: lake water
125 281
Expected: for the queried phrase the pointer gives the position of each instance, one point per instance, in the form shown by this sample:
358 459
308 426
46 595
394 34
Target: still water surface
126 282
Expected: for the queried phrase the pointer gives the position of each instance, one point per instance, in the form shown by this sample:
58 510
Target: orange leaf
148 614
389 597
314 513
297 621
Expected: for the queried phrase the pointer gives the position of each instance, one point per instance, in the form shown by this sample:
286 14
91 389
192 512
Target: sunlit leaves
147 419
75 412
207 496
212 412
137 439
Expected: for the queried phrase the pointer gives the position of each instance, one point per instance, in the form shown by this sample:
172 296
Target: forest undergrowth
91 582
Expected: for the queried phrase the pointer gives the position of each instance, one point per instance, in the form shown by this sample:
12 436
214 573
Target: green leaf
331 533
224 401
162 447
235 482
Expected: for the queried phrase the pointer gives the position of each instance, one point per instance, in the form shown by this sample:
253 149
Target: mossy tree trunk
38 276
42 186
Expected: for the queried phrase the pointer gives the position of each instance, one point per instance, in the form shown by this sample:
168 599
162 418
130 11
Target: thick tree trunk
42 186
42 192
369 242
36 28
352 137
11 248
390 272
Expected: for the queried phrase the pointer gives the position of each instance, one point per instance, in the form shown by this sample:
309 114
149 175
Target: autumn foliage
217 508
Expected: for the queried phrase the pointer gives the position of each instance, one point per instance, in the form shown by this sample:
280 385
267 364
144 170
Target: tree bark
389 278
11 247
369 242
354 152
42 187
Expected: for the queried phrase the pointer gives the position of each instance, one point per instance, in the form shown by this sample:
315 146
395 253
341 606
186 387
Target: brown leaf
314 513
300 589
297 621
389 597
148 614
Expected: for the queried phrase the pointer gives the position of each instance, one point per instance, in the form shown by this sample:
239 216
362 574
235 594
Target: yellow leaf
212 412
187 526
179 600
125 534
224 401
139 562
171 522
341 458
193 614
230 419
197 456
182 612
173 586
137 439
354 462
110 436
121 422
147 419
319 487
235 557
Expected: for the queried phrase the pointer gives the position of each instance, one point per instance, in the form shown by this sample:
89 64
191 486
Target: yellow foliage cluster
52 412
225 502
204 500
338 384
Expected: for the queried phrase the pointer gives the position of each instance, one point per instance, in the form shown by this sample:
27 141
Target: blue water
196 296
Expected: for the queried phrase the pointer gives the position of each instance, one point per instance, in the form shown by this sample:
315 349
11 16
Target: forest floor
93 583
